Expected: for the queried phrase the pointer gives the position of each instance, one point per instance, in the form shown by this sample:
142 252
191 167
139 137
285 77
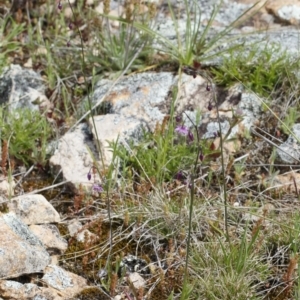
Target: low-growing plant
8 41
261 69
27 134
198 42
166 154
291 117
115 50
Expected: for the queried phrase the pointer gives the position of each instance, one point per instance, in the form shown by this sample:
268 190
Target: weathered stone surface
21 252
287 11
141 96
117 127
22 88
289 151
194 101
72 158
76 230
50 237
193 95
34 209
14 290
67 283
136 280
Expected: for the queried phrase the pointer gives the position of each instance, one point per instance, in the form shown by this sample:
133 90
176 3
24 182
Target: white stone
34 209
136 280
21 252
50 237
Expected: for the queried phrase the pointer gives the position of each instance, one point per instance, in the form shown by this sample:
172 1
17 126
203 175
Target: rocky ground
56 237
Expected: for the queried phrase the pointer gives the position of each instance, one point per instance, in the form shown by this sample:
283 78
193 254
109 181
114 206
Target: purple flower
89 175
207 87
59 6
201 156
190 136
178 119
70 26
68 44
97 188
210 107
182 130
179 176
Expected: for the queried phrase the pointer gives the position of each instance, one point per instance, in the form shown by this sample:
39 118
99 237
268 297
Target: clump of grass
115 50
262 70
26 134
198 43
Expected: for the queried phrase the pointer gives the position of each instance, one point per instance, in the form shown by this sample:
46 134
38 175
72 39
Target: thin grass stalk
222 163
192 195
83 67
97 138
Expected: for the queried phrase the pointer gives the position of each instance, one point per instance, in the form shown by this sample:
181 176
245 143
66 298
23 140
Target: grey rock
141 96
34 209
289 151
114 127
72 158
76 230
21 252
57 277
136 280
67 283
50 237
16 291
22 88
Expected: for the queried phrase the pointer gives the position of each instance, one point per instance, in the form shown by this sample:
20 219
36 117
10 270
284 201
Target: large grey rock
50 237
112 128
21 252
141 96
67 283
73 158
22 88
34 209
58 285
193 106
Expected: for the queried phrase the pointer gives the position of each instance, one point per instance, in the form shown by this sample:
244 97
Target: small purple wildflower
216 134
182 130
207 87
68 44
210 107
97 188
190 136
178 119
70 26
89 175
201 156
179 176
59 6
